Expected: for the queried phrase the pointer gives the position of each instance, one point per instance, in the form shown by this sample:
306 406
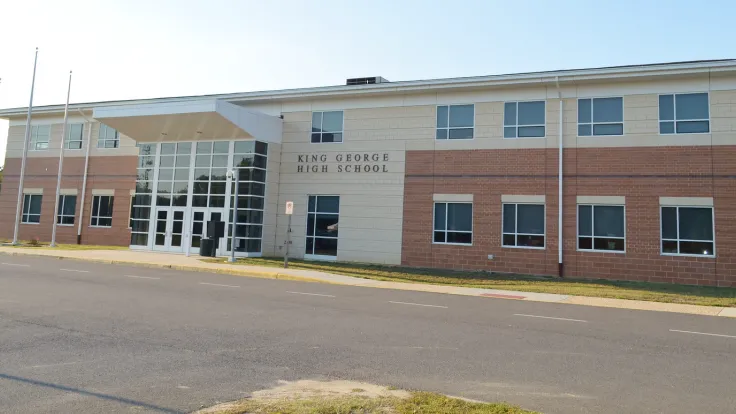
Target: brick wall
108 173
641 174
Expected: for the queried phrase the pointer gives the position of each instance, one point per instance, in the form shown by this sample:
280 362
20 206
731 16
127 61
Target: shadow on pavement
89 393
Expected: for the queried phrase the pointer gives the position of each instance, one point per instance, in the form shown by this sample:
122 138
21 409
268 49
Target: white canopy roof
206 119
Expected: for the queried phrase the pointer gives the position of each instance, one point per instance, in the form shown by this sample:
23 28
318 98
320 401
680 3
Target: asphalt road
89 338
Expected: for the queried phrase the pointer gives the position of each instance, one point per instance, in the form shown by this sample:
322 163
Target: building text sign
353 162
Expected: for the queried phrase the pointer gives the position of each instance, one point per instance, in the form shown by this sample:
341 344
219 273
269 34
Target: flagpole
61 162
19 205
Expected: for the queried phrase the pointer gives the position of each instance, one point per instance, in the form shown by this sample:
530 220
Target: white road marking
56 365
15 264
704 333
142 277
312 294
217 284
74 270
549 317
182 387
418 304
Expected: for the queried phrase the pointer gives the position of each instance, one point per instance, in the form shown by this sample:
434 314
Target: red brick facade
105 173
642 175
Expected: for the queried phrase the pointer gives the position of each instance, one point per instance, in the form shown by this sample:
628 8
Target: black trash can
207 248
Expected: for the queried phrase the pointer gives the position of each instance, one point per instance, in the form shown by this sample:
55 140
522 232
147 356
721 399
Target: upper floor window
523 119
600 116
109 137
40 137
74 136
684 113
327 126
455 121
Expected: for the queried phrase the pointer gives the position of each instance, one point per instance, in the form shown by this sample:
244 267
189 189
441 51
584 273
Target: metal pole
560 139
236 174
19 205
61 162
288 242
84 178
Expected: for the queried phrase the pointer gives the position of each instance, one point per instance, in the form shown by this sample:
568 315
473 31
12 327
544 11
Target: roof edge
563 76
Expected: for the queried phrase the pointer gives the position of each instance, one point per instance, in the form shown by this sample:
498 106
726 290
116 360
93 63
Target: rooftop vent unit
366 81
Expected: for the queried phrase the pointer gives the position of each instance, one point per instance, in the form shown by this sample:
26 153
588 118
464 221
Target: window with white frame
31 208
73 139
101 211
523 225
687 231
40 137
67 207
453 223
455 121
600 116
323 215
601 228
524 119
108 138
684 113
327 126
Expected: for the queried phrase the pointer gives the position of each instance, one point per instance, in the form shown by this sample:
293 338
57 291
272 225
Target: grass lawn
420 402
655 292
59 246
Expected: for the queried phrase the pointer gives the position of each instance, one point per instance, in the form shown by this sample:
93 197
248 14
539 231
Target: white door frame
169 234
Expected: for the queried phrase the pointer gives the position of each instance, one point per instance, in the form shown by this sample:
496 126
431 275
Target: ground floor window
601 228
31 208
453 223
688 231
67 207
323 213
101 211
523 225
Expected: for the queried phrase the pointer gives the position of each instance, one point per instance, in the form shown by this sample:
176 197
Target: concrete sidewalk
181 262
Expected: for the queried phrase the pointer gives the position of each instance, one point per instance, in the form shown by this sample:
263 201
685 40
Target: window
323 215
523 225
601 228
40 137
455 121
74 136
688 231
684 113
453 223
523 119
109 137
250 160
600 117
67 207
327 126
101 211
31 208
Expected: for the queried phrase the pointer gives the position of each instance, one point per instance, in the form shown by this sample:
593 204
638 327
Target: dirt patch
312 389
342 397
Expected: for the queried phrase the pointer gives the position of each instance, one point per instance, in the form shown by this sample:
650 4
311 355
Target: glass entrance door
200 217
169 230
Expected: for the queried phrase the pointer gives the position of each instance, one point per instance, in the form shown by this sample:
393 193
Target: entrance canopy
207 119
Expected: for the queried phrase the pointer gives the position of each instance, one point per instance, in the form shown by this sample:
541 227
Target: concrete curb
336 279
232 272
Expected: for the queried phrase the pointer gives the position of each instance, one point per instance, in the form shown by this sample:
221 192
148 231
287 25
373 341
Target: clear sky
127 49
